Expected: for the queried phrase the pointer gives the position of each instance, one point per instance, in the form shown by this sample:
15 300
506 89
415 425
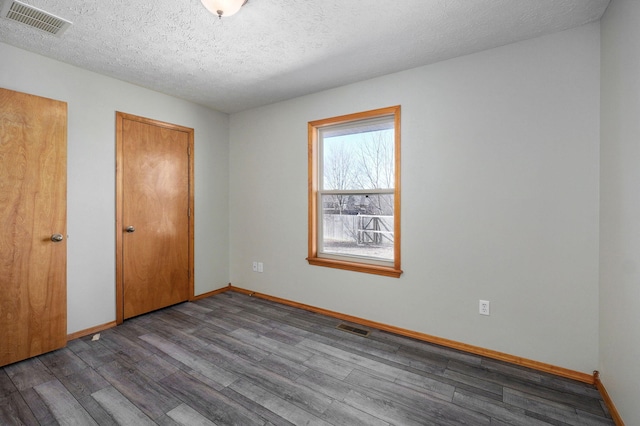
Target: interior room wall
500 176
620 208
92 102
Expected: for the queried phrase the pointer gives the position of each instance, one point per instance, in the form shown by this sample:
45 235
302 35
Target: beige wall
500 200
620 208
92 102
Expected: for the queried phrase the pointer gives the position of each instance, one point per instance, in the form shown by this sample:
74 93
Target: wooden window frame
314 175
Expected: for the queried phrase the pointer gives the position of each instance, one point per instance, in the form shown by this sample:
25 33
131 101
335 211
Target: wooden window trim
313 258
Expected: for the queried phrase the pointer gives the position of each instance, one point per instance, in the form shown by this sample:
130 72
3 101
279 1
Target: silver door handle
56 238
130 229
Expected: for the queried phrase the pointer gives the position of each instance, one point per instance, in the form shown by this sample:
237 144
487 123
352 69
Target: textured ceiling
279 49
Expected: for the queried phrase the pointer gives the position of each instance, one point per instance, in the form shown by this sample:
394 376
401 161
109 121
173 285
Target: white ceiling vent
33 17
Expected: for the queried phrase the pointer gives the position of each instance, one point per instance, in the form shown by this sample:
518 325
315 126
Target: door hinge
189 273
189 212
189 151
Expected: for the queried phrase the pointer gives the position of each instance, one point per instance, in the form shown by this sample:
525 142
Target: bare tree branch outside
356 221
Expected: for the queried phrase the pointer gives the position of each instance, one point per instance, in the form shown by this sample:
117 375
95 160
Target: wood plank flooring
232 359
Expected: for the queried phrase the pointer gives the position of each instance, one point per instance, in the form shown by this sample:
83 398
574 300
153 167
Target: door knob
56 238
130 229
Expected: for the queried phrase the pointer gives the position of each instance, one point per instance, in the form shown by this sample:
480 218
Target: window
354 192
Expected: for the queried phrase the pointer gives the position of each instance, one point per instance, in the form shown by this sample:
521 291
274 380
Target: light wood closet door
155 219
33 248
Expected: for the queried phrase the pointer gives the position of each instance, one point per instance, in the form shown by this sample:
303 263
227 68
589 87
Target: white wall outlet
484 308
260 267
255 266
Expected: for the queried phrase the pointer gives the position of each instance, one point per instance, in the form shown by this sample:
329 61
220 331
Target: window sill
355 266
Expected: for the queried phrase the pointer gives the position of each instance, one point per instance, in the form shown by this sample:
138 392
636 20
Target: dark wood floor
234 359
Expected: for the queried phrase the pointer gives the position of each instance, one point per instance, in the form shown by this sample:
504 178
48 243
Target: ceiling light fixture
223 7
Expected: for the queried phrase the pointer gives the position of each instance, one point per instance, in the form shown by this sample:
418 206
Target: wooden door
33 208
155 215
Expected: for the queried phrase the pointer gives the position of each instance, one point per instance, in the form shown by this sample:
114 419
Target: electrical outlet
255 266
484 308
260 267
